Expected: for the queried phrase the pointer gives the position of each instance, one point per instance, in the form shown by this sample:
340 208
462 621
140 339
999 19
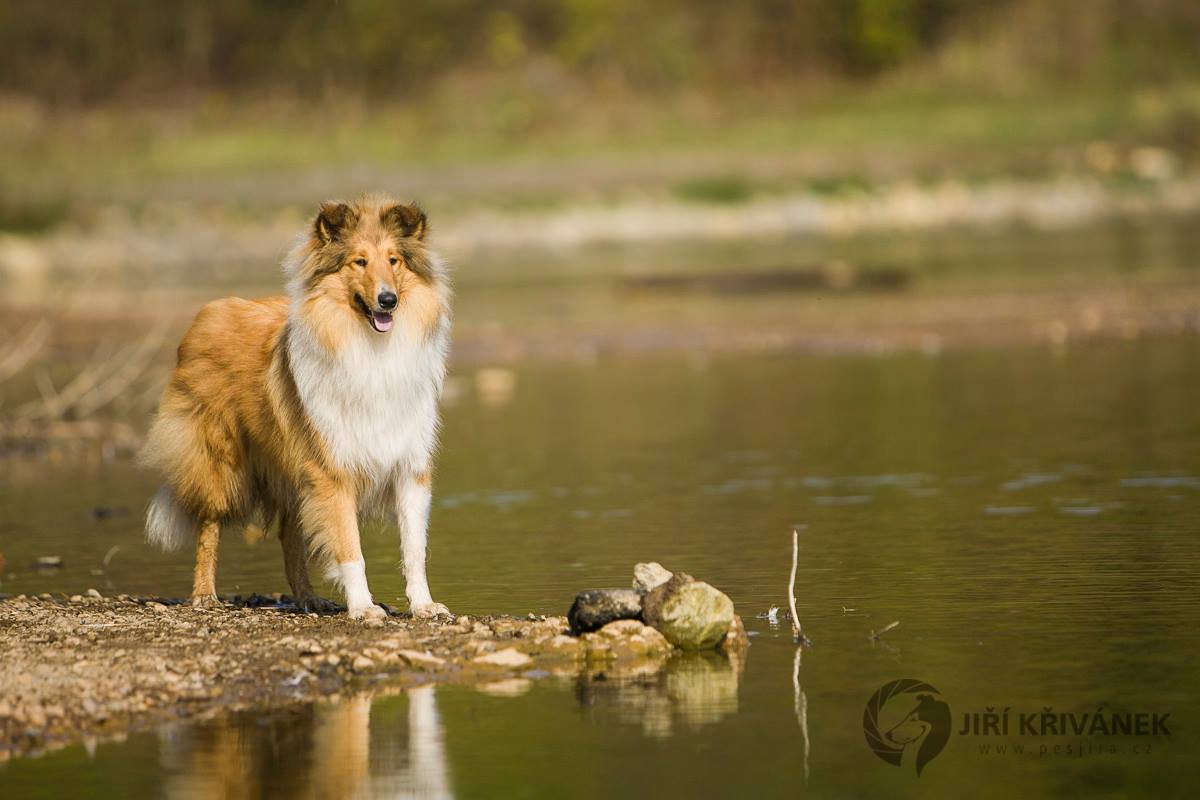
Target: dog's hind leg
204 582
295 564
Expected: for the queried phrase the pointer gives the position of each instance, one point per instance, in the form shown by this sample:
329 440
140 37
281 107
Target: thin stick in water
797 632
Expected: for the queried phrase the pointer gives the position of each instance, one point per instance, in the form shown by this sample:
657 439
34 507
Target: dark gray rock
595 608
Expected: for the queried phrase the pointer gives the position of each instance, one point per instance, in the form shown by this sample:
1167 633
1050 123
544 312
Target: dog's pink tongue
381 321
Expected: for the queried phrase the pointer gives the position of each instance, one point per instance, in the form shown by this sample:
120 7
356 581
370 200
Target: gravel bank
96 666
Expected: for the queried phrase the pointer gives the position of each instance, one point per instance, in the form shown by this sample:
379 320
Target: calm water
1030 518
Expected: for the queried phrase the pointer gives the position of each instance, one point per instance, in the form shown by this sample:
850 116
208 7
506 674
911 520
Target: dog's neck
372 397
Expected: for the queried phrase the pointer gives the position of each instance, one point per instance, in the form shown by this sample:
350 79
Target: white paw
368 613
430 610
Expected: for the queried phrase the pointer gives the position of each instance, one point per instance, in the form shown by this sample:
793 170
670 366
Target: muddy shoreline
93 666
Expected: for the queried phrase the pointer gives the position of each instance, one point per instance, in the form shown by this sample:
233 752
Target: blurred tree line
90 51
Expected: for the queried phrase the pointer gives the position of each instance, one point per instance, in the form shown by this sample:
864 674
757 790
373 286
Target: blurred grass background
235 101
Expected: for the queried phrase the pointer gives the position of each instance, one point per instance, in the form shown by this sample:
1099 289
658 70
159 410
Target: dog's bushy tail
168 525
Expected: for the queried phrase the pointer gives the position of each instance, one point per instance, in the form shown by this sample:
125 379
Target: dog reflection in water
323 750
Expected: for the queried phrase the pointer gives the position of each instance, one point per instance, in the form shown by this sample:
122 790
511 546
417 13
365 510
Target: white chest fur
375 400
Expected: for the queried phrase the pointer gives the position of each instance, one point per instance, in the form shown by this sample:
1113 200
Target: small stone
35 716
565 645
649 576
691 614
630 638
622 627
155 606
508 657
505 627
363 664
480 646
76 598
95 595
421 660
595 608
735 639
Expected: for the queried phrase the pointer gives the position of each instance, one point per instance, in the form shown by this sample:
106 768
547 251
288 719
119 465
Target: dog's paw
368 613
206 601
319 605
430 610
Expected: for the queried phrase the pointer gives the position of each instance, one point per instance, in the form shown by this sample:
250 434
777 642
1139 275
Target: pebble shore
99 666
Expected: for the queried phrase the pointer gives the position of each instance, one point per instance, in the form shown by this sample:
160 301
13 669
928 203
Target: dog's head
370 258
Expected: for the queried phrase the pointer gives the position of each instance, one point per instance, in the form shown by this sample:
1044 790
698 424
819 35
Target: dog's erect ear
406 220
332 220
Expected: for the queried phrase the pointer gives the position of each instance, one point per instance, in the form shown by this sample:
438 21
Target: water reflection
323 750
800 706
360 747
694 689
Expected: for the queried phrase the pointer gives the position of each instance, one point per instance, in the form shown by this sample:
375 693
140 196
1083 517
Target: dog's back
215 404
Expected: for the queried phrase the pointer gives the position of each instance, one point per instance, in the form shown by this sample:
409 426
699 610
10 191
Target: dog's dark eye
393 260
362 262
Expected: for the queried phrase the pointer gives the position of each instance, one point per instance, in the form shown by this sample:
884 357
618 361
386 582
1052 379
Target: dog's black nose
387 300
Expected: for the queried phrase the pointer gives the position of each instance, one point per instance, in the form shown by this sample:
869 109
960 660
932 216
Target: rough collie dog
311 409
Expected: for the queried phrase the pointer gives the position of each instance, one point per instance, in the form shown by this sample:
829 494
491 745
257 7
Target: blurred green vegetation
81 52
827 142
96 99
721 189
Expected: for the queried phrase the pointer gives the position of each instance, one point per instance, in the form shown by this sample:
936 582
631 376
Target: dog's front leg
412 513
330 511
